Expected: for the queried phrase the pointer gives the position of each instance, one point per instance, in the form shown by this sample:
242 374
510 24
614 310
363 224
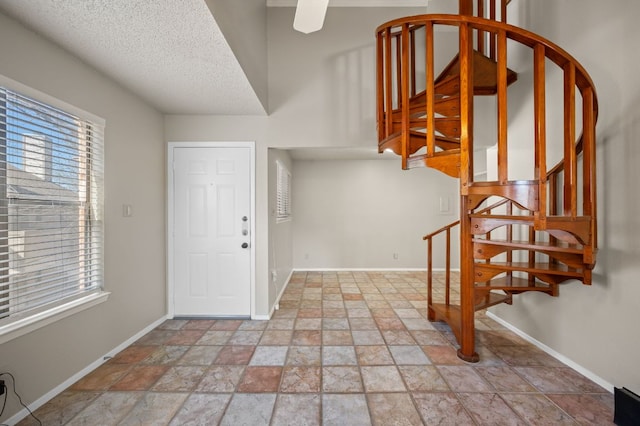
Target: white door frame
170 199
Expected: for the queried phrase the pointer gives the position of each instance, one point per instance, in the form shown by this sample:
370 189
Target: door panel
211 206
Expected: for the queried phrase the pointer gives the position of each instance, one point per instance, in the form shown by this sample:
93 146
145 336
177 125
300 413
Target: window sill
42 319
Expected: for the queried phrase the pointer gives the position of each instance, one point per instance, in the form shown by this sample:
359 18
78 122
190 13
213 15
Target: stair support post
467 297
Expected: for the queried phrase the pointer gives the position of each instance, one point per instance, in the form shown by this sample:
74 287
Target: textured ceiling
171 53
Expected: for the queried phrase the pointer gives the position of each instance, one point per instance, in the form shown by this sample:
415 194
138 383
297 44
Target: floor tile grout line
393 305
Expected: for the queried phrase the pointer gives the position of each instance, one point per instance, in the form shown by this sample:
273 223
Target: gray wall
244 25
596 326
134 247
359 213
321 94
280 232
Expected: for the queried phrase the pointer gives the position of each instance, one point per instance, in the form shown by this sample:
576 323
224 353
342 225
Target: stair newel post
540 129
467 296
404 92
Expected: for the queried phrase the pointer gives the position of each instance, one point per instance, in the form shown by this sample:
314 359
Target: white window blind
283 193
51 223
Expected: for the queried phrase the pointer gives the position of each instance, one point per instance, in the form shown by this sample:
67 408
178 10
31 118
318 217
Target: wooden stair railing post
540 132
430 89
430 313
412 58
570 158
388 83
382 127
503 174
447 278
589 169
465 7
403 69
492 36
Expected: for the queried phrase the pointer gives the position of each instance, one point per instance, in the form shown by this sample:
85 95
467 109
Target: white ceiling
170 52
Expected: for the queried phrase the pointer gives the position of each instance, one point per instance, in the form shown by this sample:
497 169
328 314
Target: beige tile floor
345 348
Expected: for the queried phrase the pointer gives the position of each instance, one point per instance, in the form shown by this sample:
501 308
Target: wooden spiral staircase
515 235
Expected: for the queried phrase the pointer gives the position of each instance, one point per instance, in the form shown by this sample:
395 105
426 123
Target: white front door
211 232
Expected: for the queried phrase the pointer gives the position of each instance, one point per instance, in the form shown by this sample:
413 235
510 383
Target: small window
283 193
51 185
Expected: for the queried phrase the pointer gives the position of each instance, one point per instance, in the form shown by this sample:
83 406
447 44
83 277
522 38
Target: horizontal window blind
51 224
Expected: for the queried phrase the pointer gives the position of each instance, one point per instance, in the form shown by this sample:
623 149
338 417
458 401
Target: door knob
245 245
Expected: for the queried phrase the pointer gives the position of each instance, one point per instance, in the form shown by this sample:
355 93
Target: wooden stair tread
451 313
417 140
447 85
447 161
543 268
447 105
559 246
512 284
484 74
491 299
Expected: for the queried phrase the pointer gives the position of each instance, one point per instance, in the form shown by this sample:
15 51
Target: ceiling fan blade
310 15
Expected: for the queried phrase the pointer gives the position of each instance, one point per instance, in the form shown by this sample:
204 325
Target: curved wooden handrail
397 114
554 52
441 230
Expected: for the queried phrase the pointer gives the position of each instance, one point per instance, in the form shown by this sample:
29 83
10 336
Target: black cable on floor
6 395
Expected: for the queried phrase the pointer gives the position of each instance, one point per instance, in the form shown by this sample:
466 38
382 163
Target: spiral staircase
516 235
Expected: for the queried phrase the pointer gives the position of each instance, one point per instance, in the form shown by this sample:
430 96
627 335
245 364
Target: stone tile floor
345 348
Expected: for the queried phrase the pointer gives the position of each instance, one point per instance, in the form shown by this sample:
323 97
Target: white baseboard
276 305
80 374
261 317
369 269
557 355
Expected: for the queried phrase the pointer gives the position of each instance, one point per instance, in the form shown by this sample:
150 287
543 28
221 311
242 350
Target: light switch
445 206
127 210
